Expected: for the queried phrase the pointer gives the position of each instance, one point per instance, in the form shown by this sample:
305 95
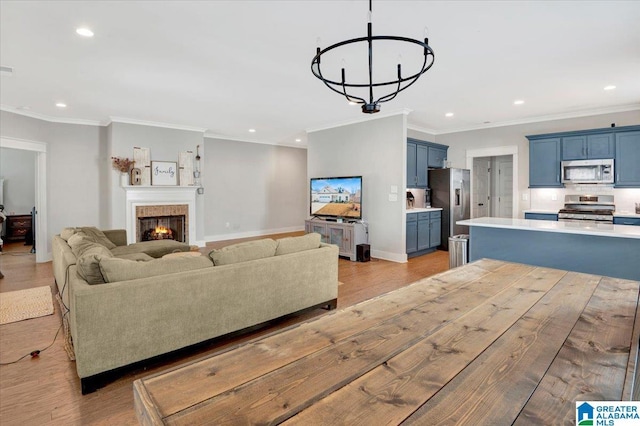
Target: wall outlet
393 197
227 225
525 197
554 197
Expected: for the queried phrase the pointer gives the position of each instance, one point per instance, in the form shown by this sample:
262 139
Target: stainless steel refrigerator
450 189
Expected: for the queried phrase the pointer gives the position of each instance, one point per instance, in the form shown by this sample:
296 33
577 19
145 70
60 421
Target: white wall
18 168
256 189
515 135
377 150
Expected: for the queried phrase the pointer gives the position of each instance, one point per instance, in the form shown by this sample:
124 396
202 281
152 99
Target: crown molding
299 145
51 119
422 129
125 120
370 117
541 118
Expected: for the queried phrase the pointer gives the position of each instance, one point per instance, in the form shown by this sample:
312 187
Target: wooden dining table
488 343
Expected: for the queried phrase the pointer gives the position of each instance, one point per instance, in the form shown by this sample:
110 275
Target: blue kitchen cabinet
627 160
435 228
583 147
544 163
541 216
412 233
436 157
620 220
423 231
421 156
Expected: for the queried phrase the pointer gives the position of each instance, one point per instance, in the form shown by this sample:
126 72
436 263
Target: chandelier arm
400 89
316 60
328 83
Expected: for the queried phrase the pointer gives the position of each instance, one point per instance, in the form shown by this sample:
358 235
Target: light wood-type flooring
46 389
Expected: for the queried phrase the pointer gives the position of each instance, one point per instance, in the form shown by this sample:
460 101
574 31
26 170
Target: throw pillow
66 233
295 244
138 257
79 243
89 263
115 269
244 252
157 248
97 236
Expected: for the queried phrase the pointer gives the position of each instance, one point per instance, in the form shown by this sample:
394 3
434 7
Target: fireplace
162 222
161 203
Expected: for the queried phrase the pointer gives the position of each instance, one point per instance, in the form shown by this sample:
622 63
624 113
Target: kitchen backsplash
418 195
553 198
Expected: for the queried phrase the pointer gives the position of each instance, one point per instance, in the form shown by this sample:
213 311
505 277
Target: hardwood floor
46 389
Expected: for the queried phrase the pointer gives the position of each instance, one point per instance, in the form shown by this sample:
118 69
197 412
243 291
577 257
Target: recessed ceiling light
85 32
449 114
61 105
252 130
518 102
611 87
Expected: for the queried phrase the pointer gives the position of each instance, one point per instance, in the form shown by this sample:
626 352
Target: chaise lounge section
149 306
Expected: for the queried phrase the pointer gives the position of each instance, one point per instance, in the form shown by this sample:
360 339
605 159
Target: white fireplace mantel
158 196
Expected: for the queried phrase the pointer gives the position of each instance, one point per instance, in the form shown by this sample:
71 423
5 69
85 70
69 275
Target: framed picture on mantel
164 173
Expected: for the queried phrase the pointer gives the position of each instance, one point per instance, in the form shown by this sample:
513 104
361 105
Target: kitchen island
593 248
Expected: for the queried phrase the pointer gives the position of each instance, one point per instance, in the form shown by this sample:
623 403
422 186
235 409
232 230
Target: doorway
494 181
40 149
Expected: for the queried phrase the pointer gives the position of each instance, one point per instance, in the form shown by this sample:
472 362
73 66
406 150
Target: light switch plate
554 197
394 189
525 197
393 197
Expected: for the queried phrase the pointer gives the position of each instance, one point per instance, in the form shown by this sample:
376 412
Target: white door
505 186
480 202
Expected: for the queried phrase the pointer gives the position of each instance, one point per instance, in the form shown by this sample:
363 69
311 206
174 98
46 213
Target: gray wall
75 180
18 168
255 189
515 135
164 145
375 149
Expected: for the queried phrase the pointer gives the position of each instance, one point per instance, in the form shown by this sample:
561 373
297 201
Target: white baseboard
238 235
392 257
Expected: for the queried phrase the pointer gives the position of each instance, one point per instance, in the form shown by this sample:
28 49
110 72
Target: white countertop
599 229
423 209
541 211
626 214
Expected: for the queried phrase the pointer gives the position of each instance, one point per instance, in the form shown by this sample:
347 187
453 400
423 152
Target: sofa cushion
114 269
156 249
138 257
244 252
296 244
66 233
89 263
79 243
97 236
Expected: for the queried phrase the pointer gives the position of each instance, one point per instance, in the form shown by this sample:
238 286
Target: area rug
25 304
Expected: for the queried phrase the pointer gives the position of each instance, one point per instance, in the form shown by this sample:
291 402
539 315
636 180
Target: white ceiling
227 66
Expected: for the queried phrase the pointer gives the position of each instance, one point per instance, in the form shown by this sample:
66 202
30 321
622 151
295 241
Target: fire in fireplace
162 228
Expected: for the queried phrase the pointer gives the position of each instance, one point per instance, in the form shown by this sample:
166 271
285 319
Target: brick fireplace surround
160 201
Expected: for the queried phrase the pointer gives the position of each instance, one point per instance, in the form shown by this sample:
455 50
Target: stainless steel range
592 208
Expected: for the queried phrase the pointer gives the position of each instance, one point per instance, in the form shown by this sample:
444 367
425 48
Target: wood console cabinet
345 235
17 227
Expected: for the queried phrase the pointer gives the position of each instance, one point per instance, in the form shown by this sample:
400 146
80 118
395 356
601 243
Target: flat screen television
338 197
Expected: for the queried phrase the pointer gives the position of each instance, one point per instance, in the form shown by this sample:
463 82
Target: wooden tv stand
346 235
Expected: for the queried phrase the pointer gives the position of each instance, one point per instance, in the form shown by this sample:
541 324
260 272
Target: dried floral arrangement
122 164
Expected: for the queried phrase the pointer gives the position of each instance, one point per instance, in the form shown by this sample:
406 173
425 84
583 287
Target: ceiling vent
8 71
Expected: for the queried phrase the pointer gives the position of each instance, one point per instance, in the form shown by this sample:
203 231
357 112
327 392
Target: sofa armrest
117 236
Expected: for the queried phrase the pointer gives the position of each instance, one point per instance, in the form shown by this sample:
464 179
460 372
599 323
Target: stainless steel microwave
587 171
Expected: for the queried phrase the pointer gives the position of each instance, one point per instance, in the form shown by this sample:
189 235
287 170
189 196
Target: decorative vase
124 179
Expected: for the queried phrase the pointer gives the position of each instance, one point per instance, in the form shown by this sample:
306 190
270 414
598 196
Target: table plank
185 386
391 392
495 387
631 391
279 395
592 364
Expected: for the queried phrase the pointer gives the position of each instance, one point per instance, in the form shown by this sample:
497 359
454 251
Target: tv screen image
336 197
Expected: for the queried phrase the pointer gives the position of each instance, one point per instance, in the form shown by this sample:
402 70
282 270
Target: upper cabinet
585 147
421 156
546 152
544 163
627 164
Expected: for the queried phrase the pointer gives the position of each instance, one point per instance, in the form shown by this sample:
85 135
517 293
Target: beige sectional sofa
149 305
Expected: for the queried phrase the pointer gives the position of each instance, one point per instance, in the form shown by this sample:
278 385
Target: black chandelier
372 106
